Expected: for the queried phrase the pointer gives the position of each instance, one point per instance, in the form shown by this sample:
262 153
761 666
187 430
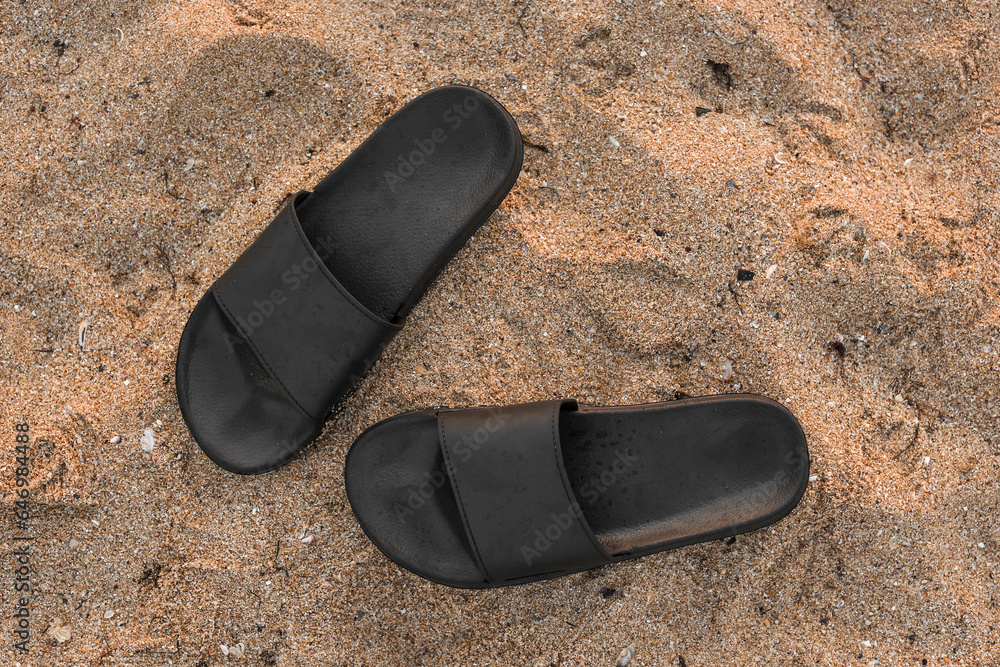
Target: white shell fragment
58 631
770 271
81 334
236 651
727 370
109 613
115 440
308 539
625 656
614 142
148 440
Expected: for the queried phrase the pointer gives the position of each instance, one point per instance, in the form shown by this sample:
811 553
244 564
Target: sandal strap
518 508
315 339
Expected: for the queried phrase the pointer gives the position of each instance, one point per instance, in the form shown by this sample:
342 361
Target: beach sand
846 153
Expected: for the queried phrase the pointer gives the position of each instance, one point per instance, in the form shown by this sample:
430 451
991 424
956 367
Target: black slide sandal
288 331
488 497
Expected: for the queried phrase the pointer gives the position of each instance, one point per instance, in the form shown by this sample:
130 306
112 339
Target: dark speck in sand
828 212
837 347
701 111
744 275
722 73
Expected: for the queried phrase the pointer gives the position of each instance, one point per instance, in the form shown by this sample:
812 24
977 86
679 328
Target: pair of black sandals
478 497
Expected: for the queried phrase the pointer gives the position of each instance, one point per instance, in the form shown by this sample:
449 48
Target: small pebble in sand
625 656
614 142
73 543
744 275
109 614
770 271
148 440
701 111
781 158
58 631
189 164
115 440
727 370
81 334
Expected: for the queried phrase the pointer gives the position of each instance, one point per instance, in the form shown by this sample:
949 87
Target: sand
846 153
